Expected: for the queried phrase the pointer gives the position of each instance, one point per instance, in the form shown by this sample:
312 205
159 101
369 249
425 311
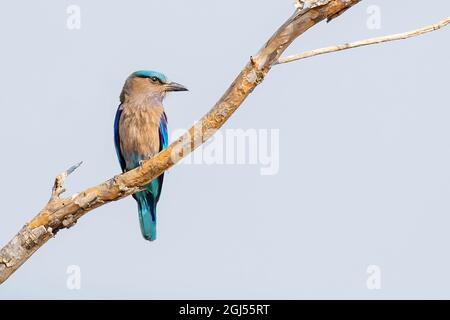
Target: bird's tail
147 214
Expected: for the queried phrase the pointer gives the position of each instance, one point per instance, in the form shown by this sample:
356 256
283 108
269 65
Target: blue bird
140 132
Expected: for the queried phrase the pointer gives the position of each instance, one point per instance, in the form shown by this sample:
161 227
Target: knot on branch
255 75
4 263
69 221
85 200
33 237
123 189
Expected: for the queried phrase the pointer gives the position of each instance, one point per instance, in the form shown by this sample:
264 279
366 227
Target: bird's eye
155 79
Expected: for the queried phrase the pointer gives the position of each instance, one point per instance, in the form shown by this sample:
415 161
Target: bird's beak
173 86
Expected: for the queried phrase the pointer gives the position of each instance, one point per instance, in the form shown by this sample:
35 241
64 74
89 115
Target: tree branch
361 43
64 213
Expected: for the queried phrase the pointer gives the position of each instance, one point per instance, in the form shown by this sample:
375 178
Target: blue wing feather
117 138
163 136
163 143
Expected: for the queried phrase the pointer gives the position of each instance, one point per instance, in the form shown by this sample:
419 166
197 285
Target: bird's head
150 84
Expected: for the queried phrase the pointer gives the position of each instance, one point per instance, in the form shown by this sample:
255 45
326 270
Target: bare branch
361 43
63 213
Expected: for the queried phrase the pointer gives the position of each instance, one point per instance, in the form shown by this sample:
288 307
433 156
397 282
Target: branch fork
35 233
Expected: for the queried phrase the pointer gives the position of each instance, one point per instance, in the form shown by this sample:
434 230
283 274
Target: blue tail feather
147 214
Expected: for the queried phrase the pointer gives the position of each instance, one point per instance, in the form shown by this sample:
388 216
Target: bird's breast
139 133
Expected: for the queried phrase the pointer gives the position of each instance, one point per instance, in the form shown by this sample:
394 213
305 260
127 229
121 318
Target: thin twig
361 43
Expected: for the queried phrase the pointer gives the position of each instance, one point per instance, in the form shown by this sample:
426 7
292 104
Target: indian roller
140 132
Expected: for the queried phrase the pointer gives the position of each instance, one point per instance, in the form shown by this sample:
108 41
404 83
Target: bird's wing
163 135
163 143
117 138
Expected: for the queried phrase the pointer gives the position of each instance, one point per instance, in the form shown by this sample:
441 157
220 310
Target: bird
140 132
